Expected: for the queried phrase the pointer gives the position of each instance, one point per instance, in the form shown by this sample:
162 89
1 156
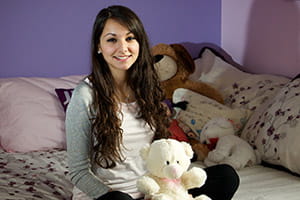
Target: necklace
124 94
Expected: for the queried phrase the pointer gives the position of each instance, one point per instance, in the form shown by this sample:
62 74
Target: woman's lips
122 58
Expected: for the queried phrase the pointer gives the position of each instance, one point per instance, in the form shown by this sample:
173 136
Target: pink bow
174 181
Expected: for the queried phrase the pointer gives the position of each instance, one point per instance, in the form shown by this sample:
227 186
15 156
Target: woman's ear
99 48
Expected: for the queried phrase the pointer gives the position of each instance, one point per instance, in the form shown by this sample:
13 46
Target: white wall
263 35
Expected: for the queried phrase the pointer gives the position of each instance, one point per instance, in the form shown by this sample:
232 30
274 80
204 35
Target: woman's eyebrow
108 34
114 34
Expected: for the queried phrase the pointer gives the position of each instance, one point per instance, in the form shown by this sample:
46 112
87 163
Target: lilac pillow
64 96
31 115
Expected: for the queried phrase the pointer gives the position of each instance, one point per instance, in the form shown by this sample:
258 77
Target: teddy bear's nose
174 171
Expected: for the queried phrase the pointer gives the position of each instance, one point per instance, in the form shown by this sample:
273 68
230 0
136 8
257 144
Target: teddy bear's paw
161 197
215 156
233 163
195 177
147 185
202 197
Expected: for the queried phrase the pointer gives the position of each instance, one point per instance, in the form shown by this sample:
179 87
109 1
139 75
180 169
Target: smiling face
118 46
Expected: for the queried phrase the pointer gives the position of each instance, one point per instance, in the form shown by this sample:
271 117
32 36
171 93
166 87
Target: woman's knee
232 177
222 182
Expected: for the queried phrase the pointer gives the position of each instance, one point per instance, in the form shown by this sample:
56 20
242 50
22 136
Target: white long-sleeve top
90 180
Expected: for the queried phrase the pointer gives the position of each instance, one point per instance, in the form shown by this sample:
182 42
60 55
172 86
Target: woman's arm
78 143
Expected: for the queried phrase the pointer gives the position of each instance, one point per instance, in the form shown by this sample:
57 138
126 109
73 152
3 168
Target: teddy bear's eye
167 162
177 161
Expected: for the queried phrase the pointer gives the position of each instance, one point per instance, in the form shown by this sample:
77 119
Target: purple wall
51 38
268 36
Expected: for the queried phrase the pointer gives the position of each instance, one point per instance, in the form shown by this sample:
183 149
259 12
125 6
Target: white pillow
239 89
201 109
32 117
213 70
274 128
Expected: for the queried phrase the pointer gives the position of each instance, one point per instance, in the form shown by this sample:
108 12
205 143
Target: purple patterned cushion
64 96
253 91
274 128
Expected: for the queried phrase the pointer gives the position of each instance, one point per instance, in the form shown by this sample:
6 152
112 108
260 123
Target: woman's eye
111 40
130 38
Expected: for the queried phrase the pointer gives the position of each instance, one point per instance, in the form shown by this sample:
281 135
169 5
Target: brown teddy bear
174 65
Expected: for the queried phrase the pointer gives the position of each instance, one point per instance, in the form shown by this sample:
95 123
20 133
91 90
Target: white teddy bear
230 149
168 178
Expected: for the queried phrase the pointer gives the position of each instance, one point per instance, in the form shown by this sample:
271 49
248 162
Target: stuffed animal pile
204 119
168 178
174 65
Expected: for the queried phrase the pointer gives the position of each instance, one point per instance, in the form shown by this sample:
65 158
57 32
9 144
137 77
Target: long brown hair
142 79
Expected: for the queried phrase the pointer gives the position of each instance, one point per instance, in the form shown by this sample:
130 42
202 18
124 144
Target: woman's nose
123 46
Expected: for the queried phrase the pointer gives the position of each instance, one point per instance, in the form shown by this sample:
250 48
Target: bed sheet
35 175
265 183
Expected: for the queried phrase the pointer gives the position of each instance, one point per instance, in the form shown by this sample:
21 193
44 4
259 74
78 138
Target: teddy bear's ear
144 152
184 57
188 149
163 49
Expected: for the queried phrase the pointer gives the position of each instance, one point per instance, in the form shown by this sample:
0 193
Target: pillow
212 69
201 109
64 96
274 128
31 115
251 92
239 89
297 76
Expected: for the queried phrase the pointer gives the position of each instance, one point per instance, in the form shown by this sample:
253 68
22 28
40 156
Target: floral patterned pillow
274 129
251 92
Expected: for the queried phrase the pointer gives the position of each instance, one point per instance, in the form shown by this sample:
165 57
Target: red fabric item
176 132
213 143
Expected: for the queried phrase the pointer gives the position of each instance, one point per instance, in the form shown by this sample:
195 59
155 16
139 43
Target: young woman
116 110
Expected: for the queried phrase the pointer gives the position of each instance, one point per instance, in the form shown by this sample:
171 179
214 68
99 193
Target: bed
33 163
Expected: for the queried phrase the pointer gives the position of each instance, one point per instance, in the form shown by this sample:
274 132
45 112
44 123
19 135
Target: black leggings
221 184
